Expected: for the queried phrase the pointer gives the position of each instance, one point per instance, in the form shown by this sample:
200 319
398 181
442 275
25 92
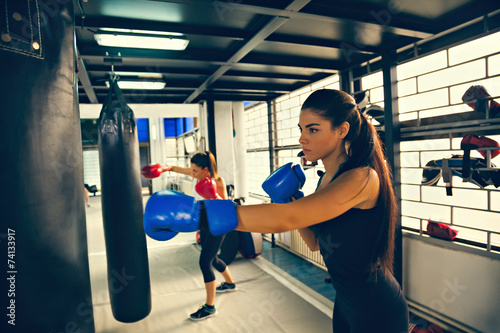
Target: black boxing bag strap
468 143
447 176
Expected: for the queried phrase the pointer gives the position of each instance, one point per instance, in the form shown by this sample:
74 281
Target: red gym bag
441 230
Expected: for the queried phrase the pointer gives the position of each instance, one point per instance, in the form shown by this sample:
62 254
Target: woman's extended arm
354 188
178 169
309 238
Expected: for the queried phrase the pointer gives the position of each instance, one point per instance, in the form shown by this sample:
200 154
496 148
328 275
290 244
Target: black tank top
347 244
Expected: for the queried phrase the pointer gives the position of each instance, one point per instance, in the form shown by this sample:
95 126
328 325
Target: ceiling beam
95 23
88 50
261 35
296 40
91 111
103 70
83 76
393 27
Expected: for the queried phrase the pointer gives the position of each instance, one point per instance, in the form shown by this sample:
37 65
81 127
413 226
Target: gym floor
277 291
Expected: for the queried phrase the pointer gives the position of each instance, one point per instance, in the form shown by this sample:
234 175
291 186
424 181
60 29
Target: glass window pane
407 87
411 176
407 116
461 197
434 155
492 85
425 211
422 65
409 160
377 95
421 145
494 65
475 235
495 200
495 239
410 192
475 49
423 101
372 81
476 219
447 77
453 113
410 223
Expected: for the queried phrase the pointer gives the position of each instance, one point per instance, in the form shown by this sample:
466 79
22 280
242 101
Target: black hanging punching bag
122 210
44 268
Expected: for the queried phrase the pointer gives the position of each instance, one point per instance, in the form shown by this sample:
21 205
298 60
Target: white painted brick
282 98
290 103
284 133
301 91
290 141
333 86
260 121
283 115
289 123
253 115
327 81
254 130
295 112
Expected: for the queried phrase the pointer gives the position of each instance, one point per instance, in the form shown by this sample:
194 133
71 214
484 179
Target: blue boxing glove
219 215
285 183
168 213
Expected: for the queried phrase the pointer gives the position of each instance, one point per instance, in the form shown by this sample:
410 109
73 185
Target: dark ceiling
257 50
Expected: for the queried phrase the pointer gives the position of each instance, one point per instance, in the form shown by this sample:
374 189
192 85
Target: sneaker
203 313
226 288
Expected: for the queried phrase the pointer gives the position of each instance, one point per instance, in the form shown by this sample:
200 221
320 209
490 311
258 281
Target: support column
346 83
211 127
157 150
392 141
240 150
224 140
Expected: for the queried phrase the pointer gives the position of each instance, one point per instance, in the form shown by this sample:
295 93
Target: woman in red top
209 185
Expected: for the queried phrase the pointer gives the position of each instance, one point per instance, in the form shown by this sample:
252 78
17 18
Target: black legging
379 309
209 248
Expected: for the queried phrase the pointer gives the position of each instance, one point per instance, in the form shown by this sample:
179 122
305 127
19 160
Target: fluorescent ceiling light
148 85
145 32
143 42
144 75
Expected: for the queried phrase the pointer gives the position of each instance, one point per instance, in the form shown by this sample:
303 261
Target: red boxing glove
207 188
153 170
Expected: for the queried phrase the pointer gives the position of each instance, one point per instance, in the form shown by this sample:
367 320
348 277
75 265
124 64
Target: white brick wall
287 110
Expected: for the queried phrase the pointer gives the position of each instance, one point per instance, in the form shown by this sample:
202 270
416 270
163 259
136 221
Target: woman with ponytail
350 218
208 185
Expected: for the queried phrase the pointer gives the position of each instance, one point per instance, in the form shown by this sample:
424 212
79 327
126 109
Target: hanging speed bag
122 210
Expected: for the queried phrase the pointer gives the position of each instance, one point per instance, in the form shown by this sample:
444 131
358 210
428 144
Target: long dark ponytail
364 149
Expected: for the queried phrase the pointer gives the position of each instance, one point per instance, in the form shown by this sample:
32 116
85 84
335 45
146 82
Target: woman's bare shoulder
220 181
